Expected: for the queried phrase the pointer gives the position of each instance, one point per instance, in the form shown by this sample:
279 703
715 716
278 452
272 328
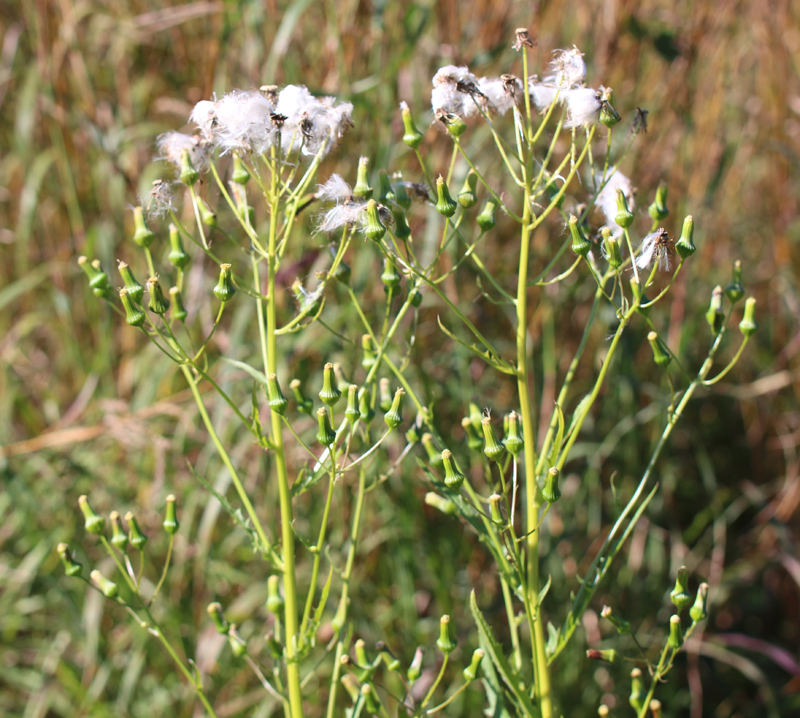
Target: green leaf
490 358
553 635
543 592
255 373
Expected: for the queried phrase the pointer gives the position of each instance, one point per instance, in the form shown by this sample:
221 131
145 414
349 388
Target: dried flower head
334 190
160 200
656 248
454 91
568 70
171 146
500 94
607 198
522 38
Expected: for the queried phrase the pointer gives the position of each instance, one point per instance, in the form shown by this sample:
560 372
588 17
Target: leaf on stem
489 358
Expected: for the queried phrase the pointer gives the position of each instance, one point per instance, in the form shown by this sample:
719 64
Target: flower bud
386 194
98 279
394 417
225 290
352 413
170 522
118 537
485 219
444 505
365 407
453 478
134 289
275 602
735 291
137 538
178 310
580 245
277 401
434 456
551 492
624 217
207 215
415 669
608 115
685 245
715 316
492 448
401 228
513 441
675 640
142 234
609 655
107 588
134 316
474 441
475 416
471 671
350 683
158 303
680 594
240 173
494 509
636 698
618 621
416 298
467 196
748 325
660 354
413 435
93 523
71 566
177 255
699 610
390 277
447 641
362 190
304 404
374 228
454 124
326 435
611 249
655 707
215 612
330 393
658 210
401 196
384 396
368 360
370 702
412 136
445 204
236 642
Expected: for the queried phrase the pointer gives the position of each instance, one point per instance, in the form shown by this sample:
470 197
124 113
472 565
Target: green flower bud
447 641
365 407
330 393
454 124
352 413
434 456
474 441
475 416
107 588
158 303
179 312
685 245
471 671
485 219
661 356
415 669
177 255
170 522
215 612
384 396
453 478
275 602
680 594
658 210
444 505
513 441
416 298
467 196
189 175
699 610
134 316
134 289
445 204
401 228
392 663
580 245
494 509
735 291
624 217
362 190
675 633
386 194
611 249
142 234
93 523
368 360
304 404
413 435
609 655
370 702
390 277
71 566
636 698
618 621
98 279
374 228
225 290
350 683
241 175
361 653
394 417
412 136
608 115
137 538
118 537
207 216
277 401
715 316
236 642
492 448
326 435
551 492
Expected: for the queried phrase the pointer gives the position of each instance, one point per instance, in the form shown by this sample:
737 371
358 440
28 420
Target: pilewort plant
260 153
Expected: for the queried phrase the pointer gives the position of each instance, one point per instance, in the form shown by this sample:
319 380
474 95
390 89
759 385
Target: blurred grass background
86 408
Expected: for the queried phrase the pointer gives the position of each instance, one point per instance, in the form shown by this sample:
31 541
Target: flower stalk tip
330 392
453 478
224 290
170 523
445 204
93 523
394 417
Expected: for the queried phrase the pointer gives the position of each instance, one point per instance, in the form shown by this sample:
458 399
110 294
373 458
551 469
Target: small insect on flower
160 200
656 249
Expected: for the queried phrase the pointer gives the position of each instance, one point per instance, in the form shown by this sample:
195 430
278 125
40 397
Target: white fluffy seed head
500 94
159 201
334 190
583 107
172 144
568 69
607 198
542 95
